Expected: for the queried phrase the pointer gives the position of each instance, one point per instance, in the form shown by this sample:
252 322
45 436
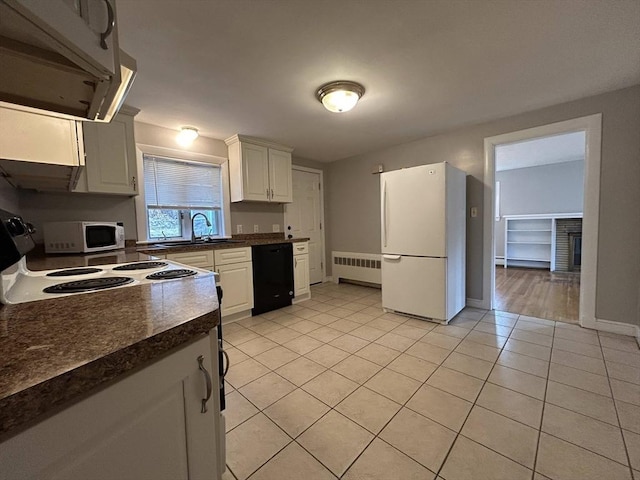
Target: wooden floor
538 293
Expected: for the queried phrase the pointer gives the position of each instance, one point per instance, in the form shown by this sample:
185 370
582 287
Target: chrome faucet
193 232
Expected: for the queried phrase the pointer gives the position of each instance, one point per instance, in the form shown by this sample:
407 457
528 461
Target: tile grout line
404 405
474 404
289 436
615 406
544 404
458 433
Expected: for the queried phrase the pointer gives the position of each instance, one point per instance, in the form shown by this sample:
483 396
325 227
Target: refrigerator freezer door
415 285
413 211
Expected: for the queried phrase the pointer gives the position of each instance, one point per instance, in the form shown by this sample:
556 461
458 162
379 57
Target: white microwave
82 237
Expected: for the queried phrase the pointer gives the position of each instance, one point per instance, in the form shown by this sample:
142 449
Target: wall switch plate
275 227
256 229
238 228
474 212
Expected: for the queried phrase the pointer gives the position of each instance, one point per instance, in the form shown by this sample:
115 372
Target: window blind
172 184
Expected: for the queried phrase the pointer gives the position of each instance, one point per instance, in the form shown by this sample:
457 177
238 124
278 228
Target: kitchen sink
209 241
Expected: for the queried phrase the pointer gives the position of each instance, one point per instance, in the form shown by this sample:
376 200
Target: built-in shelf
531 243
529 240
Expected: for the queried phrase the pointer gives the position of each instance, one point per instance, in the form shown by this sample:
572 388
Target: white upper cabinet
110 157
39 151
63 56
259 171
280 176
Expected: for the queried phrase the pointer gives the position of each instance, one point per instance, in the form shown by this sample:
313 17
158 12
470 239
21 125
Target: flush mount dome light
340 96
186 136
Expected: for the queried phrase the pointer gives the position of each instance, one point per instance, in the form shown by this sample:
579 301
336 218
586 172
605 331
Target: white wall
556 188
354 195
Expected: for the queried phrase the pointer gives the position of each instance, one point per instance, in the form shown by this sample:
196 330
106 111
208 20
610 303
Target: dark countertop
58 350
245 241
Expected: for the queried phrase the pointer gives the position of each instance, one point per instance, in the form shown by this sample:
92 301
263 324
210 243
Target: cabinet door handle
272 193
268 193
227 361
111 21
133 182
207 378
295 260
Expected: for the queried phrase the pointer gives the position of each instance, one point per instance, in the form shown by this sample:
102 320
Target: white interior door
303 219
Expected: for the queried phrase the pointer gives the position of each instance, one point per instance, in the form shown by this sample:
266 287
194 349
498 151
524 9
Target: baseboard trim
619 328
500 261
234 317
475 303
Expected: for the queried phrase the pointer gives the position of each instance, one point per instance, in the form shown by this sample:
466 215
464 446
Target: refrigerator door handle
391 257
384 214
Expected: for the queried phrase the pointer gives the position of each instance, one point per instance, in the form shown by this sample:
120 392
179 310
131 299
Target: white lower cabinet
199 259
150 425
236 279
302 290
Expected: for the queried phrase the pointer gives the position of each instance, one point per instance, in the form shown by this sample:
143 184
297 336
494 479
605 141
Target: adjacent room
538 226
319 240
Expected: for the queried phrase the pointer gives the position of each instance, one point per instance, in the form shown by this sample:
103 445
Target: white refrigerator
423 241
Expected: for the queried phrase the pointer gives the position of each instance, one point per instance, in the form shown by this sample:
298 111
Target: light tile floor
335 388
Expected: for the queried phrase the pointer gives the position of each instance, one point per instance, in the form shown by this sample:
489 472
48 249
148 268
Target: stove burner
88 285
74 271
169 274
140 266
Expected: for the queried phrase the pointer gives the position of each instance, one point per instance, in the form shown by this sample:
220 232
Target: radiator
362 267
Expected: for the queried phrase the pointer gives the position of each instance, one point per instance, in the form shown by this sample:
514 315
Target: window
175 191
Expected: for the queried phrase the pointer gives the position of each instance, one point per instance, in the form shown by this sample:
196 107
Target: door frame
322 222
592 126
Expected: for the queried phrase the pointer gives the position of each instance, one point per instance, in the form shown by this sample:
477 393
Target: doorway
539 185
304 217
592 126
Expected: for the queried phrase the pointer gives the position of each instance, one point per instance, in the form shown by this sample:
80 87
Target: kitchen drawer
201 259
300 248
227 256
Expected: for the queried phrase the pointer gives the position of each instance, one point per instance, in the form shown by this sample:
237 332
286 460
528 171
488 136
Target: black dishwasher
272 276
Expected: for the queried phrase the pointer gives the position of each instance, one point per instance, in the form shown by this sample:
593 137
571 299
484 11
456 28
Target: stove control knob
15 226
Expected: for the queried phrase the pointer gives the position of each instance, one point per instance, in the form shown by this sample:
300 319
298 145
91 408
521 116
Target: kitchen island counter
58 351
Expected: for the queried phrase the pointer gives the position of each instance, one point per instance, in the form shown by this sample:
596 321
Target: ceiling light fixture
186 136
340 96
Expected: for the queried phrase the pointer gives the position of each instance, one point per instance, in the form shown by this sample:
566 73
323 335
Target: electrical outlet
238 228
256 229
474 212
275 227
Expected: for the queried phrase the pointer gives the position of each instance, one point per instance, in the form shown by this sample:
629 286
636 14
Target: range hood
47 68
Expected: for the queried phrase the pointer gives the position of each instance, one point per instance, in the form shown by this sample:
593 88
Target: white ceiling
568 147
253 66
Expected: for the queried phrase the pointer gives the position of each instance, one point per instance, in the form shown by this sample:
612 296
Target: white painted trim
141 214
592 125
543 216
500 261
328 279
475 303
324 225
180 154
616 327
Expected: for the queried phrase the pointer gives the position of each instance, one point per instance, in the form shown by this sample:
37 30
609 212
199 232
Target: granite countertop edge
159 249
47 394
28 406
